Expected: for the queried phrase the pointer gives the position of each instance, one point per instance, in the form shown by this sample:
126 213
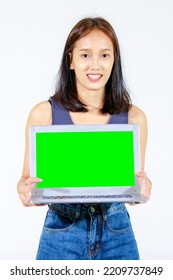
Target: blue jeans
94 232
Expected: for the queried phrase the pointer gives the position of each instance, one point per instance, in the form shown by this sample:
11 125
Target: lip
94 77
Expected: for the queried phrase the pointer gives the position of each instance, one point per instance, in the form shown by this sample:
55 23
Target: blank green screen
84 159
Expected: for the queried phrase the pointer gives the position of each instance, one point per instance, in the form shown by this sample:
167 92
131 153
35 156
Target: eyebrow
82 50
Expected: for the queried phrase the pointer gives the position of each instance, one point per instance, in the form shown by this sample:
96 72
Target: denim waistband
81 210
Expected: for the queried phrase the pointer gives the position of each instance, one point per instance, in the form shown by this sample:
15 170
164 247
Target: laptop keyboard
88 196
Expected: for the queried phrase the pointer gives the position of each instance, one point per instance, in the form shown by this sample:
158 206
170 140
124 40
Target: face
92 61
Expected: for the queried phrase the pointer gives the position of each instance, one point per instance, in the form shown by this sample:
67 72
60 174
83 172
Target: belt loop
78 210
103 209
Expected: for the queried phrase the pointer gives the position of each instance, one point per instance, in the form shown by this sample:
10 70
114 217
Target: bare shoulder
40 114
137 116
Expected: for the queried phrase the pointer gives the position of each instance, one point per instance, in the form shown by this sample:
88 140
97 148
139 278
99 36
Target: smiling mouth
94 77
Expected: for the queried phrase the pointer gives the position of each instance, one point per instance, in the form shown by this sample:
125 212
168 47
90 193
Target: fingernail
40 180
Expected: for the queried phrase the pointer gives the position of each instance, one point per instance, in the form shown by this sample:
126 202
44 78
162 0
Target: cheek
79 64
81 68
107 65
108 69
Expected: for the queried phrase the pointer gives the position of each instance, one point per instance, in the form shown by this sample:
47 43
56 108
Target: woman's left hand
145 184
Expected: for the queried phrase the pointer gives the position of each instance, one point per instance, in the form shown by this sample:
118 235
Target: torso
41 114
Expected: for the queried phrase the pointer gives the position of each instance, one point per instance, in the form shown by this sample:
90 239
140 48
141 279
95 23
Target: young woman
90 91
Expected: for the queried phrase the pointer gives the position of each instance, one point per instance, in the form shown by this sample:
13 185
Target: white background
32 37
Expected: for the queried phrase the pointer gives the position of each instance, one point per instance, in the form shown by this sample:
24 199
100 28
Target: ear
71 64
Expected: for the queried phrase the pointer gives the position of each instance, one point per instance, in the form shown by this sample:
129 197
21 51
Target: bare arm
137 116
39 115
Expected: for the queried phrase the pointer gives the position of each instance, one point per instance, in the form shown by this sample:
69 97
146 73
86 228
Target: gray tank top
61 116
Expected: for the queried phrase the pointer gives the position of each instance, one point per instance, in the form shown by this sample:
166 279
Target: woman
90 91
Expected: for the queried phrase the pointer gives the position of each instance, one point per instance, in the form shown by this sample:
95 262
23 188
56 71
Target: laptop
85 163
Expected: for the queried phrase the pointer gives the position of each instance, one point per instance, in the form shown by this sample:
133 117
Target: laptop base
88 199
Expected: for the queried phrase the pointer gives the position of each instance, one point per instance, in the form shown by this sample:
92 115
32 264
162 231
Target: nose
95 63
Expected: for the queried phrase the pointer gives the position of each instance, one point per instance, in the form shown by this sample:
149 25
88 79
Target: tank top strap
121 118
59 114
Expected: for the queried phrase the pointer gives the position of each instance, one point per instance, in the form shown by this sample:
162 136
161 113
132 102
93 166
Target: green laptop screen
85 159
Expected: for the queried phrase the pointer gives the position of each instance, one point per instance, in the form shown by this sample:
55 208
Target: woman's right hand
24 188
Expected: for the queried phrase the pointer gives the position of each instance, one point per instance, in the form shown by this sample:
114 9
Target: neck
92 99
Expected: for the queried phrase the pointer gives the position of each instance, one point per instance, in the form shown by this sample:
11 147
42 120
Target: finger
25 200
141 175
25 193
32 180
146 190
29 184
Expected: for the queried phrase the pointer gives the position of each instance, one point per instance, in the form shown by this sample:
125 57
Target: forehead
94 40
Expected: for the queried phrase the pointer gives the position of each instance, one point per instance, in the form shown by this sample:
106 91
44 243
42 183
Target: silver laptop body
99 194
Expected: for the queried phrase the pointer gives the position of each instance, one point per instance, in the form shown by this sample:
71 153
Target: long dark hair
116 98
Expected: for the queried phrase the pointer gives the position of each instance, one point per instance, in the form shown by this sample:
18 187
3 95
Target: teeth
94 76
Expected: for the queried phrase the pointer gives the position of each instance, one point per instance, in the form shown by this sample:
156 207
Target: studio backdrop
32 37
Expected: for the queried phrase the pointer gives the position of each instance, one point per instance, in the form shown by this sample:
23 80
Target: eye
85 55
105 55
